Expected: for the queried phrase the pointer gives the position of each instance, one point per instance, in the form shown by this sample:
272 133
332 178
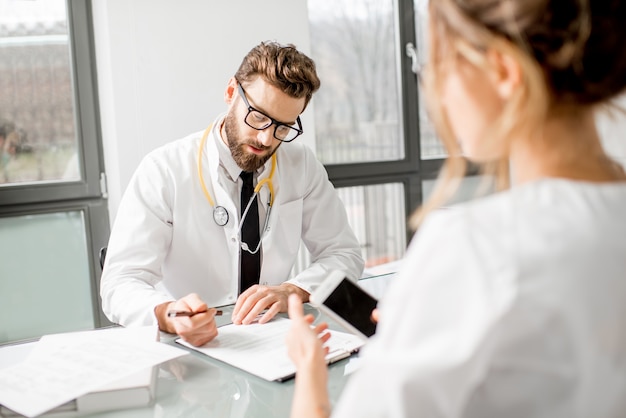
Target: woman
513 304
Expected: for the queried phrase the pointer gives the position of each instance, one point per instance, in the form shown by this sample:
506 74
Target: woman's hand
305 345
375 316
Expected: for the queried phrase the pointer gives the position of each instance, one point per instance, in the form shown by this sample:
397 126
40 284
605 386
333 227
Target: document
64 367
260 349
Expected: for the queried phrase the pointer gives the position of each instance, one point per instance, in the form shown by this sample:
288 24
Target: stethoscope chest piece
220 215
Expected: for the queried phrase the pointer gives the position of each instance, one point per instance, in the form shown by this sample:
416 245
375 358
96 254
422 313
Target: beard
246 160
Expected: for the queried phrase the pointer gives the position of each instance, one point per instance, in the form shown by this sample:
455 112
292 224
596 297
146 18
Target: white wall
612 129
163 66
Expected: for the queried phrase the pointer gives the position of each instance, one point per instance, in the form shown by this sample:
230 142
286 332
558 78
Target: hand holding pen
191 319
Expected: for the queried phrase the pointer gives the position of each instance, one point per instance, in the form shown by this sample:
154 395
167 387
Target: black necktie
250 263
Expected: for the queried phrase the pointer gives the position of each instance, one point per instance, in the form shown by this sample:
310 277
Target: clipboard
260 349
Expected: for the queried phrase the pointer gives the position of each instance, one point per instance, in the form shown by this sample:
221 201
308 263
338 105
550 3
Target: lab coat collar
225 157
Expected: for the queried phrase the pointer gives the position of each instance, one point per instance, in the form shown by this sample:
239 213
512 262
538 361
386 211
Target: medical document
260 349
65 366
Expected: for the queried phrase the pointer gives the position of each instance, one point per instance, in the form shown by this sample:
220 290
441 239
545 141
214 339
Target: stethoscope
220 214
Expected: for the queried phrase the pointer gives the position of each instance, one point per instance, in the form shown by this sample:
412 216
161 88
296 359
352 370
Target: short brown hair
282 66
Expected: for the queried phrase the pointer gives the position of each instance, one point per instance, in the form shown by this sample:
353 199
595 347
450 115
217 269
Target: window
376 214
52 203
365 114
372 131
37 130
358 108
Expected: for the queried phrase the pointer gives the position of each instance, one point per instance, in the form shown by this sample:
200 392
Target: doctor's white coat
165 244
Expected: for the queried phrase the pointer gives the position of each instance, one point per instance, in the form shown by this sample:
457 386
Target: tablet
346 303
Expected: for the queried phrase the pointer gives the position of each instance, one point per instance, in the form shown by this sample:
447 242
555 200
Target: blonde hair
570 54
454 36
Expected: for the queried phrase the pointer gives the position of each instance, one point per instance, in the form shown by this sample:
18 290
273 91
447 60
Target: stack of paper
129 392
85 371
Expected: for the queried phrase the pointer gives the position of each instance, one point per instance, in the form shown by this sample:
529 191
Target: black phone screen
354 305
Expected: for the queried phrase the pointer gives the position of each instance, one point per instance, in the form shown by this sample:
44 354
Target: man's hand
258 298
198 329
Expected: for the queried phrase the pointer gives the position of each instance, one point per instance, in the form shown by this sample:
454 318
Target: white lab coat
165 244
509 306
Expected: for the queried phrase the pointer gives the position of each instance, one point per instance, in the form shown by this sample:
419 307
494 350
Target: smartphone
347 303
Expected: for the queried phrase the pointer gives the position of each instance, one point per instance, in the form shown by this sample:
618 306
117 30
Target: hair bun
579 43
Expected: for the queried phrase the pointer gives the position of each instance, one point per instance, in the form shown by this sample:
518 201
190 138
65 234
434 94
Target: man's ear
231 88
506 73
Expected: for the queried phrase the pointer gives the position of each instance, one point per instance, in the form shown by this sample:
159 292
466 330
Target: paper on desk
260 348
63 367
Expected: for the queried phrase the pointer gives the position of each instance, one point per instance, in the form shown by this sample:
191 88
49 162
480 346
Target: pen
173 314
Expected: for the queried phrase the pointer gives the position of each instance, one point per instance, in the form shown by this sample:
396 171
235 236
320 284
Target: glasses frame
273 121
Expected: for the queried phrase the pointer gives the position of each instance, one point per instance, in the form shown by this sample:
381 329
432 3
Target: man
191 233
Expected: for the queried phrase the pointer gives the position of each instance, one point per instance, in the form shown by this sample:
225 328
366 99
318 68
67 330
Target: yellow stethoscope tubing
202 184
259 185
266 181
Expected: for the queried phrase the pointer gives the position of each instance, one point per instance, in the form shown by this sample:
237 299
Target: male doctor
187 237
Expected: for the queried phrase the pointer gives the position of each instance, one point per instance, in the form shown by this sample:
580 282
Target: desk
196 385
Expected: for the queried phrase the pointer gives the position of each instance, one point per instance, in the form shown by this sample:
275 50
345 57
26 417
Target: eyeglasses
260 121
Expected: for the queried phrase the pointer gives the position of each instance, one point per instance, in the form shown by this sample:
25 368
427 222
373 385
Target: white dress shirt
165 243
513 305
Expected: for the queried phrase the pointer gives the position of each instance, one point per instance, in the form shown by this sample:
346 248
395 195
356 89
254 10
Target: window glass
377 216
37 130
45 286
357 109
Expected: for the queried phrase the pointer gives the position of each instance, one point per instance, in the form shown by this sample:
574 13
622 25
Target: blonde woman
512 305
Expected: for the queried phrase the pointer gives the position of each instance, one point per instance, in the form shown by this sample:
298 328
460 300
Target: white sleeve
137 246
326 232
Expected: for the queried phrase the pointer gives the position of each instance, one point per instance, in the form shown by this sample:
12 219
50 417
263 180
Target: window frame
412 170
86 120
89 193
